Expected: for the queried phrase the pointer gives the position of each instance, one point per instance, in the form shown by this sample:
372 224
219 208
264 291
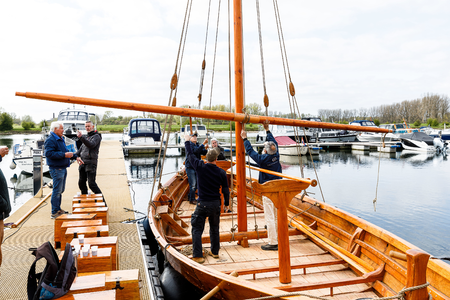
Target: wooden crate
88 204
88 196
103 295
127 279
92 231
86 284
87 200
68 217
101 262
103 242
102 212
84 223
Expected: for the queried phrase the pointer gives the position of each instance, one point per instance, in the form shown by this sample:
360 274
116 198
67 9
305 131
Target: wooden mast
239 105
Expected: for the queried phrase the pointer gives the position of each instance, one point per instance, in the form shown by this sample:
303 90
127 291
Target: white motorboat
23 153
74 119
368 136
420 141
293 133
329 135
143 135
200 129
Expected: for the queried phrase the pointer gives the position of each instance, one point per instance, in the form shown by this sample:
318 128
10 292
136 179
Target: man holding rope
269 160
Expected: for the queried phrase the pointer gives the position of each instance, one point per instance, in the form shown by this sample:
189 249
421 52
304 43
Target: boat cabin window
144 127
400 126
201 127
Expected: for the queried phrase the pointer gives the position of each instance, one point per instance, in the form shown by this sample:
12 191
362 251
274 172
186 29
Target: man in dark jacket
5 204
210 179
198 151
58 159
269 160
87 158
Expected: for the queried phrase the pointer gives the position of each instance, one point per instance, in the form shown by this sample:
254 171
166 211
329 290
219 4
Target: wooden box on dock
88 204
87 200
92 231
125 282
103 295
101 212
101 262
68 217
69 224
86 284
103 242
88 196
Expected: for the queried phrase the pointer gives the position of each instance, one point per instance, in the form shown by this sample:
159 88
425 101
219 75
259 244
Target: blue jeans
192 179
59 185
203 210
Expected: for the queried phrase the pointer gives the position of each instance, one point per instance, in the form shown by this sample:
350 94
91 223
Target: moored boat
143 135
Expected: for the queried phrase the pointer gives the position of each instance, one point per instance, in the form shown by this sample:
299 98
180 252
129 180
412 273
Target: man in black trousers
210 179
87 158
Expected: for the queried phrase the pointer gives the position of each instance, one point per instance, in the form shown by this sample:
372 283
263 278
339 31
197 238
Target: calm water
412 201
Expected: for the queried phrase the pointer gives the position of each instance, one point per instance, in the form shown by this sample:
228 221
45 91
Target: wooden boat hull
364 246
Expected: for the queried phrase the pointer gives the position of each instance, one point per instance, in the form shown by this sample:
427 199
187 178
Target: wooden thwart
169 217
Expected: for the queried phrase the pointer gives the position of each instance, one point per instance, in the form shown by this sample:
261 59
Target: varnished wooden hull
364 246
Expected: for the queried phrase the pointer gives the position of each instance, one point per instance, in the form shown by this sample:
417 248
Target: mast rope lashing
232 231
174 82
257 232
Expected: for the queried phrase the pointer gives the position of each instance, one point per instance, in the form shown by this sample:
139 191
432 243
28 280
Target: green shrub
6 122
377 122
26 125
417 123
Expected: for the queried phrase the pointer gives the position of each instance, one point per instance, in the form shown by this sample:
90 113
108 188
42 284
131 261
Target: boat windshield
73 116
144 127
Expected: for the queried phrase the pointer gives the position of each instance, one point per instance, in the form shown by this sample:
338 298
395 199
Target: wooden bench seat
88 204
126 282
92 231
103 242
101 212
68 217
83 223
101 262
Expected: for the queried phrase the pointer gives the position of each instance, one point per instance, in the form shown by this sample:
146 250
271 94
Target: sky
341 54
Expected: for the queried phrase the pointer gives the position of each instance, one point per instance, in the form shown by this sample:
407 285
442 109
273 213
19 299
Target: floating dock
38 228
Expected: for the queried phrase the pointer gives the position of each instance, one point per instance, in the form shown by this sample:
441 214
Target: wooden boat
322 250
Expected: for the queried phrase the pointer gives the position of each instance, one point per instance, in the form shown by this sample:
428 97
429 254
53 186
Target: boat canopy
145 128
417 136
73 115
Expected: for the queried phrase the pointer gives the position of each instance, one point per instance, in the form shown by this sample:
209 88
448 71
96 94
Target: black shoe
270 247
194 202
61 212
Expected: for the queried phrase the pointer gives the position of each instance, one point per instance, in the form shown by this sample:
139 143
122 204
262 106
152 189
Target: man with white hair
58 159
215 144
269 160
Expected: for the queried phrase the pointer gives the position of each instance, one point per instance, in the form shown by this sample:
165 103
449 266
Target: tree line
431 108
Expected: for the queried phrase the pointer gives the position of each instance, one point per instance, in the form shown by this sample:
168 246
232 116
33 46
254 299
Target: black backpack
56 278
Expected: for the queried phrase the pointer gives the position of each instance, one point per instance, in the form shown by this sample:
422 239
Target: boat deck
233 257
39 228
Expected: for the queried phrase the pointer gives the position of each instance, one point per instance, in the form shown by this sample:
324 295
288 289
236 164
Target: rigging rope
173 87
202 75
378 173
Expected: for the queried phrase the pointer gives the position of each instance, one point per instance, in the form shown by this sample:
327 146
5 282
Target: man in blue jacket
5 204
198 151
58 159
210 179
269 160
